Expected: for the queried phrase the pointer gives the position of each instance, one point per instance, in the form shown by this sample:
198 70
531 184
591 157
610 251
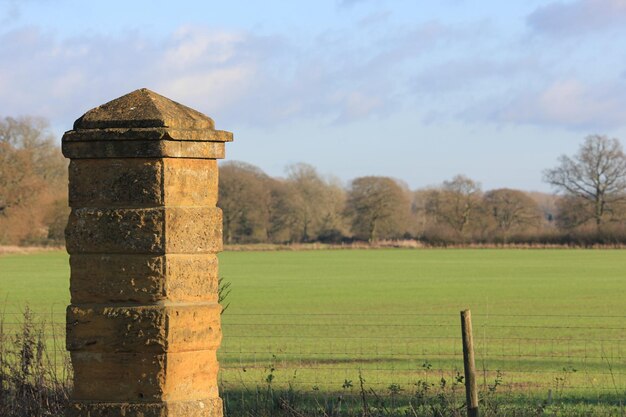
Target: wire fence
528 354
582 356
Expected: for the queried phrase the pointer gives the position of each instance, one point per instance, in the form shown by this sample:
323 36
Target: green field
544 319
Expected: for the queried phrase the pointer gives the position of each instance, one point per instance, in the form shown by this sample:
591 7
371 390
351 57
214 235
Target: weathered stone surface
143 278
210 407
116 182
100 230
144 231
149 134
143 124
193 230
144 325
140 182
144 377
143 149
148 328
191 277
190 182
140 109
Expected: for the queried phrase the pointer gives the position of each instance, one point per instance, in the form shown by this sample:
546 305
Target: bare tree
511 210
33 176
379 207
572 212
333 226
457 204
281 211
421 218
245 198
316 203
596 175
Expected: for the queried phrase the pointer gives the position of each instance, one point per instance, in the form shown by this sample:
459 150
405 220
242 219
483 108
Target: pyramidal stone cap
144 124
143 109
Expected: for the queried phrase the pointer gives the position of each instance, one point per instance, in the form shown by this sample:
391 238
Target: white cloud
61 78
357 105
462 75
9 13
224 86
571 103
195 46
233 76
350 3
239 78
578 17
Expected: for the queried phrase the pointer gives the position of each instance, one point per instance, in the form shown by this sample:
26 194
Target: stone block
209 407
116 182
152 134
143 278
190 182
143 149
144 231
141 182
144 377
149 328
100 230
193 230
191 277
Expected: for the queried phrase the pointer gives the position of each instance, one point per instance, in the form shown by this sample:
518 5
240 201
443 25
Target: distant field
545 319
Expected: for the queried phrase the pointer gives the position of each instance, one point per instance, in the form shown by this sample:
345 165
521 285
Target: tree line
590 206
304 206
33 183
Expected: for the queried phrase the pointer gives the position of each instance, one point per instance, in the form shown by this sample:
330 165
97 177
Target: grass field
545 320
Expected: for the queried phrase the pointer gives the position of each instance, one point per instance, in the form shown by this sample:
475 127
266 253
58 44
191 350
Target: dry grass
34 381
381 244
408 244
23 250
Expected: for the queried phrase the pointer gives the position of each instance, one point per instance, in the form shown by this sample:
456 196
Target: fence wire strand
567 353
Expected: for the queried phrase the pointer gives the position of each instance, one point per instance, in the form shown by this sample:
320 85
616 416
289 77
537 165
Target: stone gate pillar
143 326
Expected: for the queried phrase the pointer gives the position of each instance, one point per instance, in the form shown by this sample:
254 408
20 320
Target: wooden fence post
471 392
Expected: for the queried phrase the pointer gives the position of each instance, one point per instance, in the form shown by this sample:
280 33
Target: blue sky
417 90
